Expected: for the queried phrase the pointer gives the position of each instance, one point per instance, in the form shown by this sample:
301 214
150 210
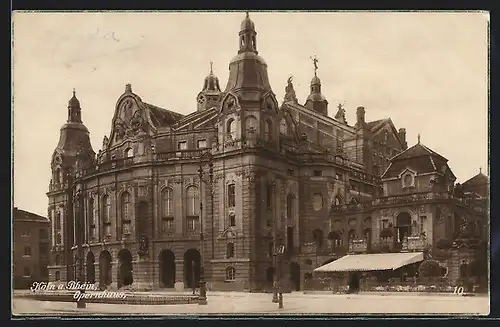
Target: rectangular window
168 224
202 144
57 221
27 251
182 145
26 272
232 220
191 224
231 196
318 173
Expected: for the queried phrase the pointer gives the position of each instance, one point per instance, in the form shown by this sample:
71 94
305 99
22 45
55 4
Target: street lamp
275 272
81 304
203 291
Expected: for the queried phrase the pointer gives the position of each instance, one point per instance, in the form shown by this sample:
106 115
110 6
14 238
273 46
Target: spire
418 138
248 41
211 67
480 170
74 110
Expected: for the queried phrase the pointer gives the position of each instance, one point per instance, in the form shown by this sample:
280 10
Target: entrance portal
295 276
354 282
104 269
125 275
90 267
191 268
167 269
403 226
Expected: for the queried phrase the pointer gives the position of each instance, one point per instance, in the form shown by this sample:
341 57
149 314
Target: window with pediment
192 201
167 202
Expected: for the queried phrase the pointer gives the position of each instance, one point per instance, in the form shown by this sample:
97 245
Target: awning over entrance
375 261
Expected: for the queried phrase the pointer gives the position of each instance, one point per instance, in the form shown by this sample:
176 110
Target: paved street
295 303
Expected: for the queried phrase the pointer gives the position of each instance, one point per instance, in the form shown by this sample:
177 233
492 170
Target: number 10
458 290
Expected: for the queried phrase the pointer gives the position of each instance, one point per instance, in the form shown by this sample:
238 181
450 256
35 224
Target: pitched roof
22 215
374 125
162 117
420 159
478 180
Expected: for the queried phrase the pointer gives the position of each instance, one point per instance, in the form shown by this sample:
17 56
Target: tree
430 269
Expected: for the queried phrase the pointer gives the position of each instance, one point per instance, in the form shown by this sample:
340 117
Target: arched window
166 202
230 250
192 198
231 128
268 130
106 208
58 276
231 195
129 152
230 273
92 218
318 238
126 207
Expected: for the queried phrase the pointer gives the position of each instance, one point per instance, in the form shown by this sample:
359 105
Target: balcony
411 198
334 209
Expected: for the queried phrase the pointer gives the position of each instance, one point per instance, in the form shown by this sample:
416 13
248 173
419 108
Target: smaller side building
30 246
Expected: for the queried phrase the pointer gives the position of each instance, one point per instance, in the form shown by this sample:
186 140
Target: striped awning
372 262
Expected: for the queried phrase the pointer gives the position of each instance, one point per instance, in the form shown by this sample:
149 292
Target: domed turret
209 95
315 100
248 70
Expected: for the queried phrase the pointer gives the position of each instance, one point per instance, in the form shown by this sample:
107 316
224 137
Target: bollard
280 303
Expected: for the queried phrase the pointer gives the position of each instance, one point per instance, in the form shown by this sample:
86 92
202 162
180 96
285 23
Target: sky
428 72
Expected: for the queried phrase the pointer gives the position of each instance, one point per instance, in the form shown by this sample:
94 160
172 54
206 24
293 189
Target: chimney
360 116
402 137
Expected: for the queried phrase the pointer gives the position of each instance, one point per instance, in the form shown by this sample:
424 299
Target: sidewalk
395 293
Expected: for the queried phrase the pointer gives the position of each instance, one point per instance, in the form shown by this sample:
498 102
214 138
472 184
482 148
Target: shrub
429 268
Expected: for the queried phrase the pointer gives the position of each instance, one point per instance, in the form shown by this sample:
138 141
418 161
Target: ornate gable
131 119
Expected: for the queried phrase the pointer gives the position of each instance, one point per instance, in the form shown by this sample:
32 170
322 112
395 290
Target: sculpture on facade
290 91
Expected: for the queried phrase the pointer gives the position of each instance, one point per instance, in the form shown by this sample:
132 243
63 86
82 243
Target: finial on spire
74 92
418 138
128 88
247 14
315 63
480 170
211 67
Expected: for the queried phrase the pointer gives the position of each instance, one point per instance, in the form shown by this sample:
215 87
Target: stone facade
242 170
31 247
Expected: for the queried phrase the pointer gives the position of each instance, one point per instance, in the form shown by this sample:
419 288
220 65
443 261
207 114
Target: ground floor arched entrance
295 276
191 268
167 269
105 269
90 267
125 274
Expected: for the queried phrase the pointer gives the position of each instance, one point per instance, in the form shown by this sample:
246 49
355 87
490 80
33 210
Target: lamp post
81 304
203 291
275 252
